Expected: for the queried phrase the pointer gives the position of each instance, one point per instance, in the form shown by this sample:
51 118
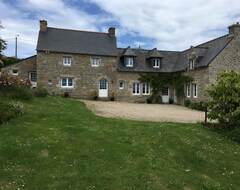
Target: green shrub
224 103
20 93
171 101
187 103
201 106
235 135
40 92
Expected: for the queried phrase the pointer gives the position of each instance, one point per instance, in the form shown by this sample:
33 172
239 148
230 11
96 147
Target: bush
20 93
40 92
171 101
224 104
10 110
201 106
187 103
235 135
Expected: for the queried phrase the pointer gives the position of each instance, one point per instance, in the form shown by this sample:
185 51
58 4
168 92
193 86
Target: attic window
129 62
191 64
156 63
15 72
67 61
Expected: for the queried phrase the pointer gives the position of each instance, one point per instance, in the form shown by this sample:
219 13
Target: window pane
70 82
64 82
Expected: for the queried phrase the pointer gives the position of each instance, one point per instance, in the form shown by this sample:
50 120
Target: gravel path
145 112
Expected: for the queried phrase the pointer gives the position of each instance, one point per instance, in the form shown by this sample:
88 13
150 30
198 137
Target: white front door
165 95
103 88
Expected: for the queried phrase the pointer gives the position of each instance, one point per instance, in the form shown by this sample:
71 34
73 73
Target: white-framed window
67 60
67 82
15 72
145 89
121 84
95 62
33 76
191 64
156 63
136 88
129 61
188 88
194 90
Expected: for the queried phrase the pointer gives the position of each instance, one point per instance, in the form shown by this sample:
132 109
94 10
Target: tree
224 104
3 46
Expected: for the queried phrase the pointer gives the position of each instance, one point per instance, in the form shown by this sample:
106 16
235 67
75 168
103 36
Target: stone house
89 64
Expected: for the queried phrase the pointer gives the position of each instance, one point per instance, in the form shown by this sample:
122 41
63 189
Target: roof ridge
75 30
211 40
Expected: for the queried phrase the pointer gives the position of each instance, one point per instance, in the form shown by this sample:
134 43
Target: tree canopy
224 104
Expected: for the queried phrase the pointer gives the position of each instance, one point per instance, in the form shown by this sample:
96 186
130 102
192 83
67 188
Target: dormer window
156 63
191 64
129 61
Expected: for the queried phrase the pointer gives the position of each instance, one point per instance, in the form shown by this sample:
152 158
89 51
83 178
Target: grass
60 144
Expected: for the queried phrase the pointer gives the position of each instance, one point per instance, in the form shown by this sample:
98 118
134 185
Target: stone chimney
111 32
43 26
234 29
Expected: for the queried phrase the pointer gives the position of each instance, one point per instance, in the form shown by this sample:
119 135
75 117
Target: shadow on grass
225 130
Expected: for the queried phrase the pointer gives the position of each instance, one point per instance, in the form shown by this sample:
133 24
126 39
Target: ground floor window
67 82
191 90
145 89
194 89
33 76
121 84
136 88
188 88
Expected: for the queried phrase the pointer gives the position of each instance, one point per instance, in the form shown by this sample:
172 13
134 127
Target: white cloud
173 24
168 24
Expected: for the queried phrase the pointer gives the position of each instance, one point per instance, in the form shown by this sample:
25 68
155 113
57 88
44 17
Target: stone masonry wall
201 78
228 59
86 78
24 67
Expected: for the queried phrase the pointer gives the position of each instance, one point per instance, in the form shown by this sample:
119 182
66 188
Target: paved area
145 112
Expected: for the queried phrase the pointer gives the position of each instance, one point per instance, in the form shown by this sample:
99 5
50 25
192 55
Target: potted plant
112 96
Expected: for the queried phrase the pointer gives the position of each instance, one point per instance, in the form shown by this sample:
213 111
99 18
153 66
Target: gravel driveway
145 112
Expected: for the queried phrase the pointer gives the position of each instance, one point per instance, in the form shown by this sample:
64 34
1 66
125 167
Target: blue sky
166 24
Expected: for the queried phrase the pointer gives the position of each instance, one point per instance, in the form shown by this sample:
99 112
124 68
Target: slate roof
75 41
154 54
129 52
174 61
143 64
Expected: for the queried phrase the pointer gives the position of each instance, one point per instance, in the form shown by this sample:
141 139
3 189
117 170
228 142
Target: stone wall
86 78
23 67
201 78
228 59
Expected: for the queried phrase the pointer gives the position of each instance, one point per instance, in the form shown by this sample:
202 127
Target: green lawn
60 144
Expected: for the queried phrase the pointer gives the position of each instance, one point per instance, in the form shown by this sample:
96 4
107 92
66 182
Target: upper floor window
67 61
95 62
15 72
191 64
129 62
121 84
67 82
156 63
136 89
145 89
